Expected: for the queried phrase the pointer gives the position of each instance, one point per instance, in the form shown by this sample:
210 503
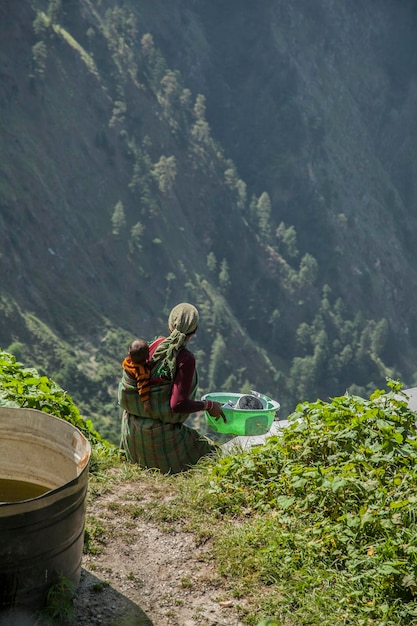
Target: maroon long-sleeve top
180 401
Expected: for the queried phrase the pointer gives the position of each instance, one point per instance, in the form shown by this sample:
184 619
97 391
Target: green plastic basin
246 422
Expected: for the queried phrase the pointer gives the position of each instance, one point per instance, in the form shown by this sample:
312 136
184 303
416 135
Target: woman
162 441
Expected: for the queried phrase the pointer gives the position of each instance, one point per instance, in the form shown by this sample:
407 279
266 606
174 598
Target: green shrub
329 508
24 387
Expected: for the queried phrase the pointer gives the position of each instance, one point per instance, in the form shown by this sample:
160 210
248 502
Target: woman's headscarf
182 321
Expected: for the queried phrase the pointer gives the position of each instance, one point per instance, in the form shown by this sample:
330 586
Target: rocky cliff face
184 115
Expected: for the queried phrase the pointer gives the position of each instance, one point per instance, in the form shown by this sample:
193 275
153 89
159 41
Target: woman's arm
180 397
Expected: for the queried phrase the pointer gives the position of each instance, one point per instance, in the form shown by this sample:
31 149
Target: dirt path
144 576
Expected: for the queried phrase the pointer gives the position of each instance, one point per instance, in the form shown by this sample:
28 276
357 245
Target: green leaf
285 502
398 504
386 568
338 483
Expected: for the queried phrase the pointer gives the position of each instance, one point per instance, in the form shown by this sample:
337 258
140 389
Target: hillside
257 163
314 527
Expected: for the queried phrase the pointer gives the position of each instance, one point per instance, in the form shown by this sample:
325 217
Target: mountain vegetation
258 163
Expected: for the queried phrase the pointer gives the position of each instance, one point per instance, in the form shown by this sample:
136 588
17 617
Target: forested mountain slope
259 163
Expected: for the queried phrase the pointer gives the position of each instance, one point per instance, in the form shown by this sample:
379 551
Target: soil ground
145 575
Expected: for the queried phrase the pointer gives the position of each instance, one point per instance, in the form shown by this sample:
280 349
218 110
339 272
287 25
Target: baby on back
136 364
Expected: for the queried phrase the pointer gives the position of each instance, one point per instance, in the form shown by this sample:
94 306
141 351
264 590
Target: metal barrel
41 538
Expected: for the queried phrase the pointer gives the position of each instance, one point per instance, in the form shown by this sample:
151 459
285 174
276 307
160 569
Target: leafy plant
24 387
328 511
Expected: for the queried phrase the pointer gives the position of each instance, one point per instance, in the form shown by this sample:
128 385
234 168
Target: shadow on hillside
98 602
95 602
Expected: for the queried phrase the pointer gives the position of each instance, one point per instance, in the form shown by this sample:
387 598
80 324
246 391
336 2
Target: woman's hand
216 411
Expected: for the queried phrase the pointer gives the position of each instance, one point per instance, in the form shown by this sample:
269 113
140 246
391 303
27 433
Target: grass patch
59 607
94 535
